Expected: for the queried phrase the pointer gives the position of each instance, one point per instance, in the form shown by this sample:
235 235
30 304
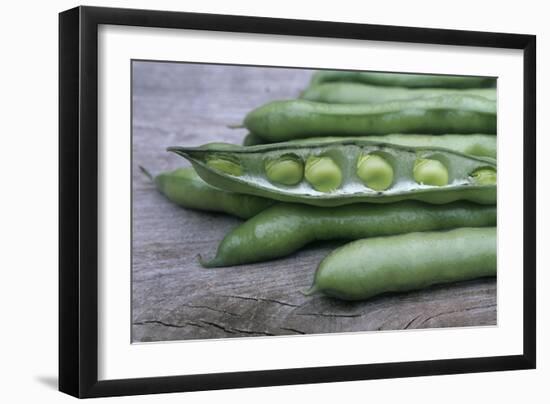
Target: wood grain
174 298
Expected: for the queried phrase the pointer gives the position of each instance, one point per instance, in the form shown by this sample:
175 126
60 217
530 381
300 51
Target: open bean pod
345 172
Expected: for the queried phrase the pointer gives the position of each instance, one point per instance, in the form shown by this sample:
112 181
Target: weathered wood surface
174 298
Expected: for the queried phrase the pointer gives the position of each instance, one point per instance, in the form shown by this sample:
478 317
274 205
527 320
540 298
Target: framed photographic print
251 201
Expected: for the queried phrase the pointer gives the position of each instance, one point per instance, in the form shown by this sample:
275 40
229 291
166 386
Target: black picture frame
78 201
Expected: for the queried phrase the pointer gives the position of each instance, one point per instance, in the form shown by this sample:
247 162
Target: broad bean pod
356 93
252 140
185 188
345 172
280 121
285 228
368 267
403 80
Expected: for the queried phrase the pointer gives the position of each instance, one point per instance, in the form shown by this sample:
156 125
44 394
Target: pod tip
180 151
236 126
206 263
146 172
312 290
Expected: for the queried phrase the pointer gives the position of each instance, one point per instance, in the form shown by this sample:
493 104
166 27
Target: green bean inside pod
375 171
430 172
323 173
332 176
287 169
225 164
485 176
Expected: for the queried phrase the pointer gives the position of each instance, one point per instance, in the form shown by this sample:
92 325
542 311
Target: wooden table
174 298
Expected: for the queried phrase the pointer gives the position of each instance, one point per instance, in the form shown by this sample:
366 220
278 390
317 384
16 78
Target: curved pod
185 188
280 121
285 228
366 268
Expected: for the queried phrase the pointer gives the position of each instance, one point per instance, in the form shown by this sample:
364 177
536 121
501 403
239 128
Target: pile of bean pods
402 165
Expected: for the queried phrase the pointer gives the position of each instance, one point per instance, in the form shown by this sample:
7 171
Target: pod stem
236 126
147 173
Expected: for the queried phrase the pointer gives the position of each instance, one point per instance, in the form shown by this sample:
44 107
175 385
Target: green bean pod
475 145
337 173
403 80
285 228
252 140
366 268
356 93
185 188
279 121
